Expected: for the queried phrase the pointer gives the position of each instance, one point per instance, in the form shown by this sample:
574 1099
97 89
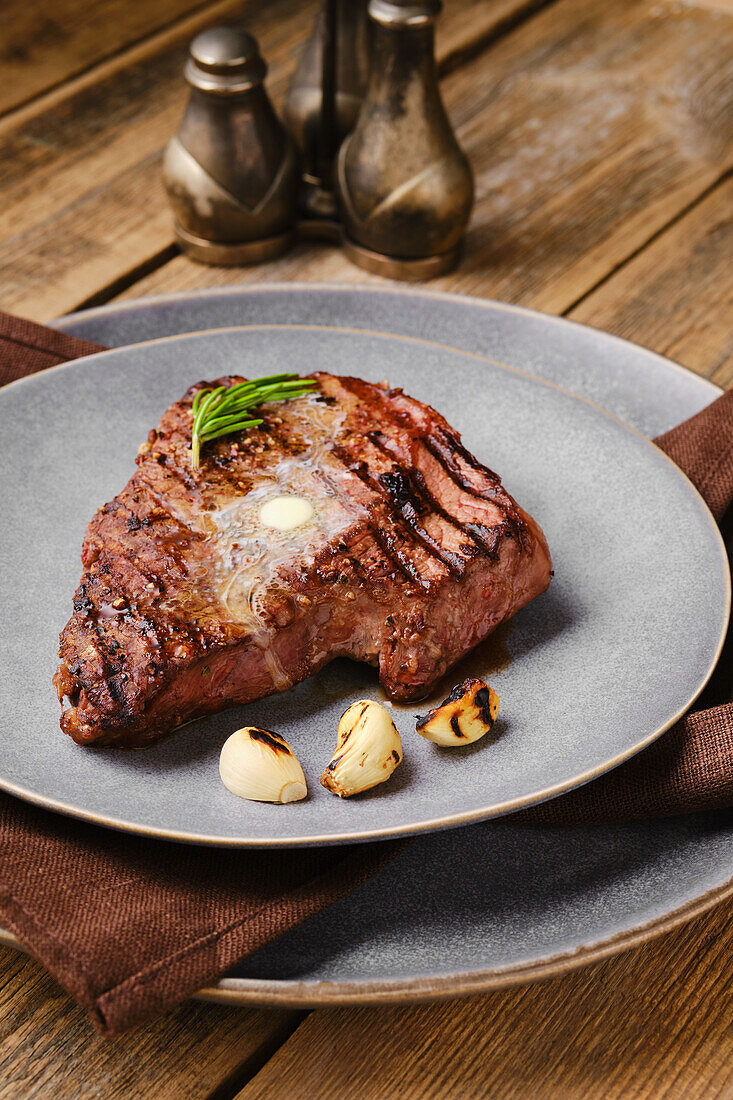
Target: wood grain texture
80 183
48 1046
589 128
41 48
654 1023
676 296
82 205
465 27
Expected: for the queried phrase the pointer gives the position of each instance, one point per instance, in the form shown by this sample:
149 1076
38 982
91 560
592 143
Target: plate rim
234 290
467 817
285 993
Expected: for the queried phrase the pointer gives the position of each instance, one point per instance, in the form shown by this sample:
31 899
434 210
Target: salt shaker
232 170
405 187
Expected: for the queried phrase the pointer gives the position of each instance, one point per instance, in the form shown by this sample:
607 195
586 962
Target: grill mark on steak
476 533
440 442
402 490
444 447
405 497
391 561
400 561
385 537
186 605
388 545
485 539
406 515
376 564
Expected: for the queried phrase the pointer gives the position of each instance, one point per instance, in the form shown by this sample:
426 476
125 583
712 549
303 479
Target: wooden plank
39 50
48 1047
81 203
468 26
464 28
649 1024
119 114
580 154
677 295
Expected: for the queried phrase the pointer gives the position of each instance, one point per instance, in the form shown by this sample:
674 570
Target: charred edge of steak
445 444
403 496
412 491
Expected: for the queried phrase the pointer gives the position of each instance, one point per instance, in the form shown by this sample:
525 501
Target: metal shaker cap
224 60
404 13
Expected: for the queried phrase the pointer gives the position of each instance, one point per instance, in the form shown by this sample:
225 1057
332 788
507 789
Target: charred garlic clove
261 766
368 750
466 715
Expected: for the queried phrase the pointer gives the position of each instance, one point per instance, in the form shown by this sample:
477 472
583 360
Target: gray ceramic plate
644 389
589 674
491 904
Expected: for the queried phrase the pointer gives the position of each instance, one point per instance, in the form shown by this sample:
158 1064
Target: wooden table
600 132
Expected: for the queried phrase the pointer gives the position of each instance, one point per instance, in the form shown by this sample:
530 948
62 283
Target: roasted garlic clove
261 766
368 750
466 715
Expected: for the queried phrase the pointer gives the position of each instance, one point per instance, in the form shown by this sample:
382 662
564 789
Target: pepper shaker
324 98
232 170
405 187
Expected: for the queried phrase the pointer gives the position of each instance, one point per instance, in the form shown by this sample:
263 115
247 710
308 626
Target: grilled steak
187 604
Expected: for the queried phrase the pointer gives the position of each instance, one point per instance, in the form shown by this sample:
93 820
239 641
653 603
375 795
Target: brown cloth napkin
131 926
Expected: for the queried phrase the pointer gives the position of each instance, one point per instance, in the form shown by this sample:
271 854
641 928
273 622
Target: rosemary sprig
223 410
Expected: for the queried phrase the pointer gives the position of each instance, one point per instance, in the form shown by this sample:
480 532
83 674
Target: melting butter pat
285 513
